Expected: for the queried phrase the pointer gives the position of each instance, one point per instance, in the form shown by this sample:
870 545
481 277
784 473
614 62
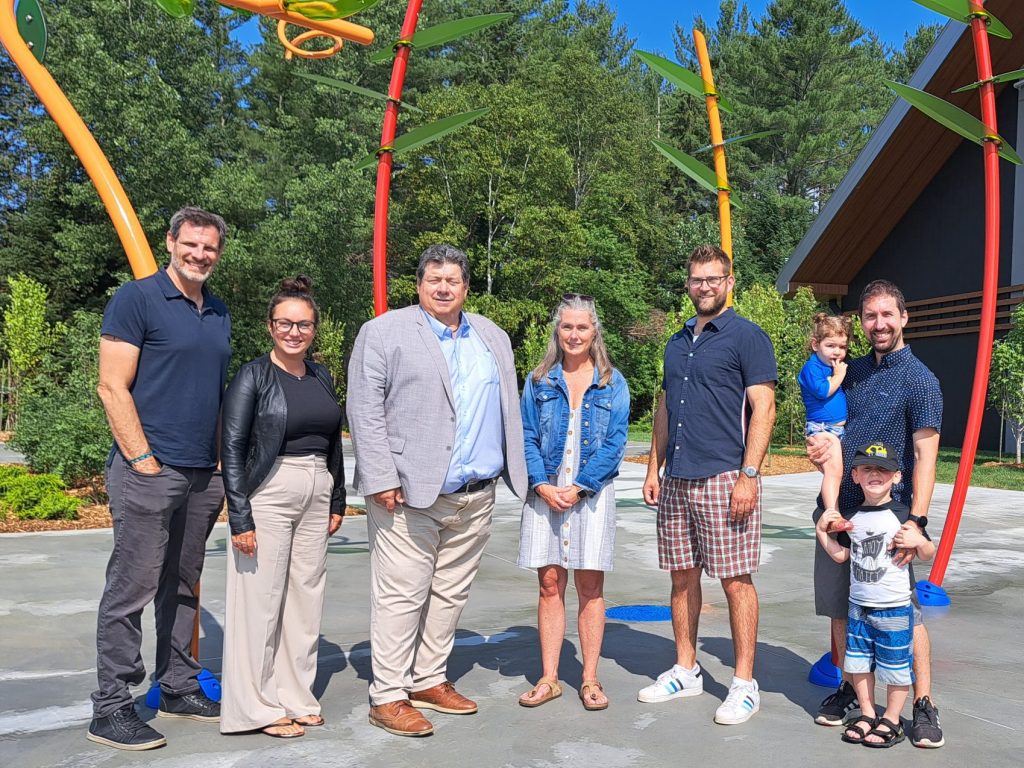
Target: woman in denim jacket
575 410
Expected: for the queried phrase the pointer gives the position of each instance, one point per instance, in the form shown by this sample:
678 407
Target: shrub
38 497
62 427
9 475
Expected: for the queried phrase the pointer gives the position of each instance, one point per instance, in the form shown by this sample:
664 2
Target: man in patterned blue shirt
891 396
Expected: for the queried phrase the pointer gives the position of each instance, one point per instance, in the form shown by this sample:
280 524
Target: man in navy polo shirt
711 431
894 397
164 351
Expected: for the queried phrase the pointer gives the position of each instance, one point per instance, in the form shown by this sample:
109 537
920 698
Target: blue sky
652 21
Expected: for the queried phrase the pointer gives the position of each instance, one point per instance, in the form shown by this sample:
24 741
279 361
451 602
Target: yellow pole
120 210
718 148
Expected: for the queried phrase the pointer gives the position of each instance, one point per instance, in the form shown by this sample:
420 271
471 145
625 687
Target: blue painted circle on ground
640 613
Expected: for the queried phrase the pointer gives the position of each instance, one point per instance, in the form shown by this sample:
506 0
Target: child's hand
838 370
828 519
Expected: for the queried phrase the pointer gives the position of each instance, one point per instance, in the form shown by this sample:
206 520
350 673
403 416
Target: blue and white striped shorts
880 640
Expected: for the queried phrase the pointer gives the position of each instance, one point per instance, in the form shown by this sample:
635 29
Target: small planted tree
26 336
1006 379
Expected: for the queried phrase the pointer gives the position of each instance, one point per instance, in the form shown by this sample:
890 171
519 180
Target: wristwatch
922 520
750 472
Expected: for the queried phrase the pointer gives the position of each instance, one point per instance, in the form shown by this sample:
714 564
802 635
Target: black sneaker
837 706
926 732
193 706
124 729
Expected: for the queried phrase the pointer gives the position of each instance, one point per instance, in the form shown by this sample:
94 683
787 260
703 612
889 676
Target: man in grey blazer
433 407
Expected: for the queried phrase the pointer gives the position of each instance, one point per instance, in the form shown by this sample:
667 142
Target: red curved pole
990 286
387 137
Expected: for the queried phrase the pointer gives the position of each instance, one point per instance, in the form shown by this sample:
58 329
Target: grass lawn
1004 476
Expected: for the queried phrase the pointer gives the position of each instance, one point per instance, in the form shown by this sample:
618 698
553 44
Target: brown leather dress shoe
399 718
443 698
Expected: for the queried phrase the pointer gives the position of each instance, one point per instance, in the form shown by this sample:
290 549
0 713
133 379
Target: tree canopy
558 188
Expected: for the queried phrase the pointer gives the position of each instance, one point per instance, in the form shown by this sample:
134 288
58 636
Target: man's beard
717 303
188 272
894 341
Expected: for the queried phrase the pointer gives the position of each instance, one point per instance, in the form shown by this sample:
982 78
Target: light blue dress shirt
478 450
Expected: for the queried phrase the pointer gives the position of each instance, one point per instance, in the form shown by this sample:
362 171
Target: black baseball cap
877 455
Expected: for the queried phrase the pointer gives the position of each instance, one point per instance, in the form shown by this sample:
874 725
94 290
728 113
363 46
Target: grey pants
161 523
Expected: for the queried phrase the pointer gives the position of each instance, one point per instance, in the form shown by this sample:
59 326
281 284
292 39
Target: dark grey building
911 210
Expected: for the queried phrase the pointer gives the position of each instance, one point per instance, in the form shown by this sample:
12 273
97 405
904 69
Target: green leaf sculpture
323 10
680 77
32 27
446 33
960 10
954 118
425 134
1017 74
740 139
352 88
692 167
177 9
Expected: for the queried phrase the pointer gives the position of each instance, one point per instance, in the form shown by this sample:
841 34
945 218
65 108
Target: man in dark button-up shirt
892 396
711 432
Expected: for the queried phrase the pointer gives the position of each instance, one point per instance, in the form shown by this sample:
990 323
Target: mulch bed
90 516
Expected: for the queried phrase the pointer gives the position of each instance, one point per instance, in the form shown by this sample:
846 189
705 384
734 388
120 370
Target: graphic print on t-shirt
868 558
875 581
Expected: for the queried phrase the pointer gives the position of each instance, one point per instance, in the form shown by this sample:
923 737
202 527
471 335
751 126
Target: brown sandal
589 698
309 721
279 730
554 691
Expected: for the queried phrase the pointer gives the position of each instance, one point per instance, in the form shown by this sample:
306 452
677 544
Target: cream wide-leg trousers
422 564
275 599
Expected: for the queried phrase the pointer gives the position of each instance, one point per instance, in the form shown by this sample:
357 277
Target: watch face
749 471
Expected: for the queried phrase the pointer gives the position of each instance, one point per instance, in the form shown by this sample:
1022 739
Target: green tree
1006 379
159 95
788 324
26 336
63 428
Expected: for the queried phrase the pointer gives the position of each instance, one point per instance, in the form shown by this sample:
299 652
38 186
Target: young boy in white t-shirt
880 626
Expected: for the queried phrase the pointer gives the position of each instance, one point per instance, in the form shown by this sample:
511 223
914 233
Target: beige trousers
275 599
422 563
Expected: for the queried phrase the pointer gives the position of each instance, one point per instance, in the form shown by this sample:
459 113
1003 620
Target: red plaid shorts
694 529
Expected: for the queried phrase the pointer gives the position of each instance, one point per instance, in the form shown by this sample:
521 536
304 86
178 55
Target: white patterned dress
582 537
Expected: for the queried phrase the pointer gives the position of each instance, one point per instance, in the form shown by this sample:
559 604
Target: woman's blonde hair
598 351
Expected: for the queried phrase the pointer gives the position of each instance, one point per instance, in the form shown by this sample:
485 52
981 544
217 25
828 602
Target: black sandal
853 726
889 738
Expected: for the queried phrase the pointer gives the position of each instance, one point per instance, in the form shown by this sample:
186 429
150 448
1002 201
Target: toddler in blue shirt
821 381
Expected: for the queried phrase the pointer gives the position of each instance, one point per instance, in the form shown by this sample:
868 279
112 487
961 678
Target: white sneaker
674 684
741 703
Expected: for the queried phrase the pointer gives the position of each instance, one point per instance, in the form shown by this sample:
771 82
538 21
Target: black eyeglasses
285 326
577 296
713 282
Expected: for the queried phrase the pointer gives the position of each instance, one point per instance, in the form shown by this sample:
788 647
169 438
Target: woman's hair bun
298 284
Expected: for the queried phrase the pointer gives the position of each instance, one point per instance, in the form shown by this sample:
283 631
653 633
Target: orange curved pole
346 30
291 47
120 210
717 147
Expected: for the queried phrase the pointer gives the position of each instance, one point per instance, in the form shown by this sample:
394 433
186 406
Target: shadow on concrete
212 641
331 661
647 655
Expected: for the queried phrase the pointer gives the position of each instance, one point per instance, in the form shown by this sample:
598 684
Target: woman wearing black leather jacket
285 485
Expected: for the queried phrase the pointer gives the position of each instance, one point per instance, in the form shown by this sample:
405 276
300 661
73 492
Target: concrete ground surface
51 586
